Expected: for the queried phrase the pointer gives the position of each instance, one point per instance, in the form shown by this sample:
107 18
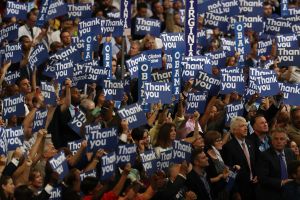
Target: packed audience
256 156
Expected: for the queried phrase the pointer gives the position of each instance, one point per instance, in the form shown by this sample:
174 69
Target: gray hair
235 121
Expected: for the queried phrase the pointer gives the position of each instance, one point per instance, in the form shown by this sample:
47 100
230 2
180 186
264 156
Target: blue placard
267 85
287 41
77 121
13 52
191 23
232 110
3 142
113 90
12 76
69 53
154 58
74 146
107 57
133 63
101 138
59 164
146 26
173 41
165 159
91 173
144 76
48 92
162 76
232 82
43 13
291 93
252 21
112 27
196 101
209 82
134 114
156 92
181 151
60 70
192 65
284 8
274 26
126 154
176 74
108 165
240 42
9 32
80 10
288 56
16 9
125 13
38 55
88 47
55 194
13 105
90 27
264 47
212 20
230 7
56 9
39 121
249 6
213 6
15 137
218 59
149 162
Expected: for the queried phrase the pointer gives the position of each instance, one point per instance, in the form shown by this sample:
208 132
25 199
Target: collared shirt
72 110
241 143
264 144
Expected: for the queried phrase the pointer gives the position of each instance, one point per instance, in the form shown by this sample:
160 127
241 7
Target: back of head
23 193
88 185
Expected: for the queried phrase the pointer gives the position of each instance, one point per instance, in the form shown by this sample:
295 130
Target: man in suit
240 151
260 138
272 167
197 180
59 129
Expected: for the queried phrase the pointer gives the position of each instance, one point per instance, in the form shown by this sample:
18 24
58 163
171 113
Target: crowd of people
256 156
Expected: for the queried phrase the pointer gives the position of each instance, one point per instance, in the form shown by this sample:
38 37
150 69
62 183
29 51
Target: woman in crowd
7 188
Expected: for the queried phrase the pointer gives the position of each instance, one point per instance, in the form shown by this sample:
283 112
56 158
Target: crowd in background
255 157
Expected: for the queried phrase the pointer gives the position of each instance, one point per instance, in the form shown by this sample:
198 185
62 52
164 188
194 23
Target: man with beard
61 133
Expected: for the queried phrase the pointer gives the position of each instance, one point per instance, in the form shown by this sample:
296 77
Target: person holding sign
165 137
58 127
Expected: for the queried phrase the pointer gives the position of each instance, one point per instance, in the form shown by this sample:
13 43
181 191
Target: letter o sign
239 27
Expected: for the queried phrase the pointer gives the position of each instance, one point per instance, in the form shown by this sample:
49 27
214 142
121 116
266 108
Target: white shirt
24 30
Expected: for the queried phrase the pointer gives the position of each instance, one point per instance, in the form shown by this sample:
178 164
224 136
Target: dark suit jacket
195 184
256 142
233 154
171 189
61 133
269 176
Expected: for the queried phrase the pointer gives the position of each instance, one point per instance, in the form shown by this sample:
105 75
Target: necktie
247 155
31 33
283 171
76 110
